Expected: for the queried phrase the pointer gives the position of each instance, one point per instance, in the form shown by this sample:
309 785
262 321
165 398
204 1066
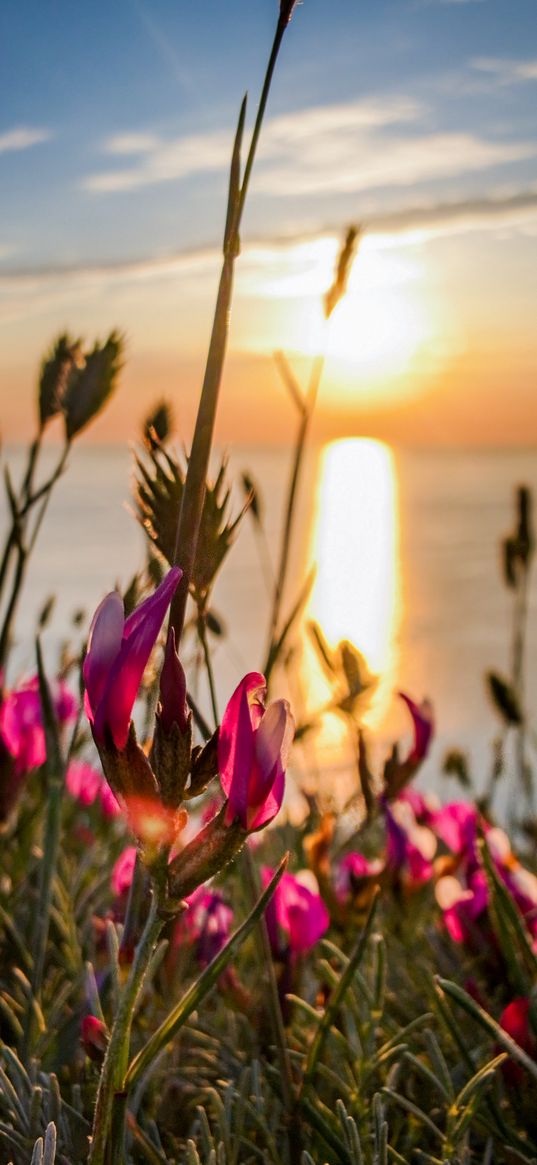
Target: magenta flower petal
253 749
422 719
236 740
106 633
117 656
298 911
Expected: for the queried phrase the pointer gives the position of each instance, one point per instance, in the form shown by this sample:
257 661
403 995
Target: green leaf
504 698
509 927
197 992
489 1024
337 997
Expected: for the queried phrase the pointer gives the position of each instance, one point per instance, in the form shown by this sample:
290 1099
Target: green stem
111 1084
273 1000
134 903
24 552
194 488
21 508
294 480
202 636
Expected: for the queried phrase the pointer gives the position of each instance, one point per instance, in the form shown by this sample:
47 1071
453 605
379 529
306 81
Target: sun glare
355 547
377 330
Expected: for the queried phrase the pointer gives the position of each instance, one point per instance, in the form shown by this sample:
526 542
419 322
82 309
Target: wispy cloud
345 148
22 137
507 72
165 160
267 260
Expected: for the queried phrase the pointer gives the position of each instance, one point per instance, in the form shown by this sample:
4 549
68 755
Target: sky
416 119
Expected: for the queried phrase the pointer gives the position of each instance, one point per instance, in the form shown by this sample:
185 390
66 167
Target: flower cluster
250 750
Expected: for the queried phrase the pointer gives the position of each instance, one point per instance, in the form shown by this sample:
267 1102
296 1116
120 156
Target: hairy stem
194 489
111 1084
294 480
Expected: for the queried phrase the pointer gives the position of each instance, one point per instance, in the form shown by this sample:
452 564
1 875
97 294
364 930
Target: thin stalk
202 636
294 480
51 845
111 1084
24 552
519 638
194 488
273 1000
134 903
21 504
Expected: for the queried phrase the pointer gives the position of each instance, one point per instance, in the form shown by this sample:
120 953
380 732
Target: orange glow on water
355 547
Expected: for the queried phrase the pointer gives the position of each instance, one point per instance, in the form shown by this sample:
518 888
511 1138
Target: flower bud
94 1036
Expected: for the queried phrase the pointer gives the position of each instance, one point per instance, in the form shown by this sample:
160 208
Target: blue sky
416 117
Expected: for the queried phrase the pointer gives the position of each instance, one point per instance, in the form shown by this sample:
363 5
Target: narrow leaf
197 992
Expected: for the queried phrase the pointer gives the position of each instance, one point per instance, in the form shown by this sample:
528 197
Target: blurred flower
411 847
83 782
253 748
21 722
456 825
354 874
397 773
297 910
87 785
515 1020
94 1035
117 655
206 924
463 902
423 723
123 871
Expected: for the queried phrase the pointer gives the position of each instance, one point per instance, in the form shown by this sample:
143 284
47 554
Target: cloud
167 160
334 149
22 138
507 72
265 262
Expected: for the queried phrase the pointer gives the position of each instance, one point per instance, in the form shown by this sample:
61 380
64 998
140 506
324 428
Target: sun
384 320
375 335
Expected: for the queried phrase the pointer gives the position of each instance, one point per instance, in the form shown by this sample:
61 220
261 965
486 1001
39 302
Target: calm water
408 567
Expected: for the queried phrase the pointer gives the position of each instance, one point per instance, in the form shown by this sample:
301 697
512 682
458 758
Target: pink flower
253 748
463 903
456 825
117 655
83 782
515 1020
354 871
123 871
207 923
21 722
94 1036
297 910
422 719
87 785
109 803
411 847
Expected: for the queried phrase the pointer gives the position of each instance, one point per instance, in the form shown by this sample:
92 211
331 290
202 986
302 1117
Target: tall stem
294 481
194 489
25 550
117 1055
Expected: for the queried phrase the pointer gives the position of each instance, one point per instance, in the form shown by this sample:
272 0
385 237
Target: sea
402 549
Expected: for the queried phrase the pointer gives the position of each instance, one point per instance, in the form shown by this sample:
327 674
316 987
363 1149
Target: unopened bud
286 10
94 1036
173 706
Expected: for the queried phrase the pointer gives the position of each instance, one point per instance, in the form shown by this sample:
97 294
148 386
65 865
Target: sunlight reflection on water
355 546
